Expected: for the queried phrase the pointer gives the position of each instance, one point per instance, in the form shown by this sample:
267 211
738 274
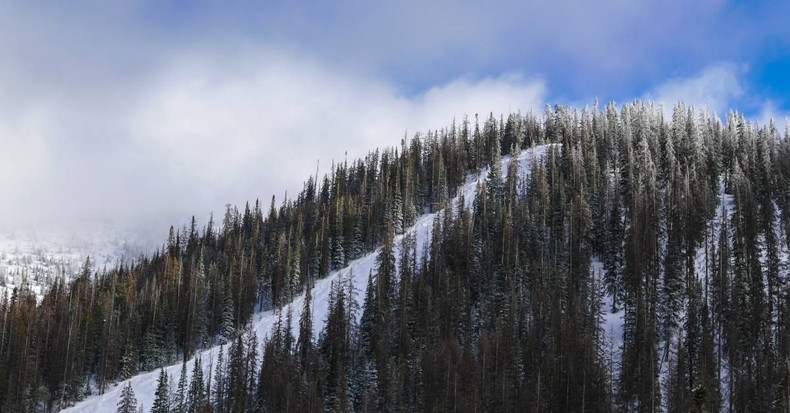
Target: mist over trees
678 226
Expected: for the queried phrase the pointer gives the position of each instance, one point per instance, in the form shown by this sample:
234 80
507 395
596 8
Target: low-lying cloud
713 89
206 130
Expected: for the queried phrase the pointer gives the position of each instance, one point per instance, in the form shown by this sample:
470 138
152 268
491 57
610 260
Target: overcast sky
150 112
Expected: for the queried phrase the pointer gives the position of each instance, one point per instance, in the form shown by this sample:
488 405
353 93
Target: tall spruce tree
181 397
128 401
197 401
162 395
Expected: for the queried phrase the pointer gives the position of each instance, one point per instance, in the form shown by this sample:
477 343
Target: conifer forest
622 258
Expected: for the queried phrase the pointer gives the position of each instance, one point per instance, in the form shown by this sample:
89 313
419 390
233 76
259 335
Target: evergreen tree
338 251
613 260
295 270
128 362
367 322
197 393
227 328
237 380
397 207
162 395
220 383
181 399
151 354
128 401
304 342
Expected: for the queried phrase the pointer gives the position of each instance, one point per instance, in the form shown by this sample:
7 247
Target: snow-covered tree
128 401
227 327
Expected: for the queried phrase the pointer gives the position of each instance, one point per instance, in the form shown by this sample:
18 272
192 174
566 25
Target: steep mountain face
594 260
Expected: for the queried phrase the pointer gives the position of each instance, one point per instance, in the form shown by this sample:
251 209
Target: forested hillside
678 227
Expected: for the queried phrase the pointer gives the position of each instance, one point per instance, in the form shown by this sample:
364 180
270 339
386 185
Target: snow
144 385
39 257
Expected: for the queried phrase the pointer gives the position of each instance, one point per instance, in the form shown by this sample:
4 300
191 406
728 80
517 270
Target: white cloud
715 88
207 129
254 125
770 111
24 157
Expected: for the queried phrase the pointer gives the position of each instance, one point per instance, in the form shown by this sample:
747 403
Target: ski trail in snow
144 384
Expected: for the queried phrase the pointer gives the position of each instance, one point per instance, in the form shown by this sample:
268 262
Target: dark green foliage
197 398
162 396
181 396
128 401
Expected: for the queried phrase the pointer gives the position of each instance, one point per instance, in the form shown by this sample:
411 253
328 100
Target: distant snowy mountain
38 257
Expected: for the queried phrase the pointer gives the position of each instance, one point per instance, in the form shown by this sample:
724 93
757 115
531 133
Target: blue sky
612 49
158 110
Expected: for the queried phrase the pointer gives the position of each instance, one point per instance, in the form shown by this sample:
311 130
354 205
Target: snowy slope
144 385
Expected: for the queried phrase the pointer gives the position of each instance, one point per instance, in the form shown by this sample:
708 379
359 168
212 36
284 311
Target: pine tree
201 302
162 395
151 354
367 322
335 352
673 285
371 399
613 260
227 327
494 178
197 393
338 251
128 401
358 238
304 342
383 311
295 270
237 381
181 399
220 385
251 361
397 207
